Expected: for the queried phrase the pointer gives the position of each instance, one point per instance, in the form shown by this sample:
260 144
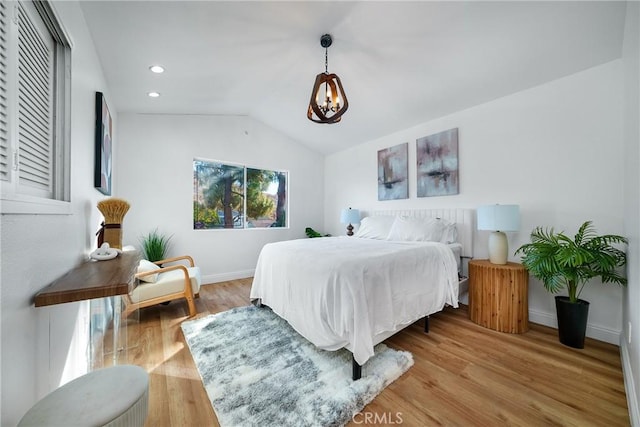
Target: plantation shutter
5 150
35 103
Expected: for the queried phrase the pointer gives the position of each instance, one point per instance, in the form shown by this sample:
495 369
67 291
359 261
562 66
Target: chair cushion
145 266
168 282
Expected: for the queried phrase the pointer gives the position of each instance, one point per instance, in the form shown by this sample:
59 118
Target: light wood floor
464 374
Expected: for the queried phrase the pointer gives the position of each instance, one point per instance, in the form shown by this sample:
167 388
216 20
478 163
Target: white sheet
342 291
457 252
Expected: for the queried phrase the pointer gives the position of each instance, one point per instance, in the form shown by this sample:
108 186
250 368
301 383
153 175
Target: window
35 71
234 196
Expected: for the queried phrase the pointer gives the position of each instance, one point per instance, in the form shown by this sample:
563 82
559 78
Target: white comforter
343 291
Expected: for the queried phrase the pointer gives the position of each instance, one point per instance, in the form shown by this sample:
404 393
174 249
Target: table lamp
498 218
350 216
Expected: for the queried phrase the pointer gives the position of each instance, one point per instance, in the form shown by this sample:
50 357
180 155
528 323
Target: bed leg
356 368
426 324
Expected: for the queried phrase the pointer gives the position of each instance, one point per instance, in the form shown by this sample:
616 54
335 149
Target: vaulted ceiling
401 63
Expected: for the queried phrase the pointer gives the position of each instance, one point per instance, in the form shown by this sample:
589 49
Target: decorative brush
113 210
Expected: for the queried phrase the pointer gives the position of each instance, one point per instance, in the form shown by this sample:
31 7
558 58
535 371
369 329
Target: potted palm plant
561 262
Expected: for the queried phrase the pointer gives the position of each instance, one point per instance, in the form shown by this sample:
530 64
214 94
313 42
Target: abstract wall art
393 164
437 164
104 133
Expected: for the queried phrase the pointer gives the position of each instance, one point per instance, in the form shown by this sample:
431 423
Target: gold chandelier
328 101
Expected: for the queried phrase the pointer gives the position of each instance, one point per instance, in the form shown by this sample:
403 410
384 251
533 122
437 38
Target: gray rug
257 370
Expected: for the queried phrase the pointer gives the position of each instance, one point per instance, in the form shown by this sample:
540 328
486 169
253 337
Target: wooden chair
165 283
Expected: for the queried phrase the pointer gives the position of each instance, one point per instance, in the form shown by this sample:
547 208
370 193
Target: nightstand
498 296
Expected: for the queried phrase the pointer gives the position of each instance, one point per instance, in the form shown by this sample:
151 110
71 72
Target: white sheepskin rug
258 371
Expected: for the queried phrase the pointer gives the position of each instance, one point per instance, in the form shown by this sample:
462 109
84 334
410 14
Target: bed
354 292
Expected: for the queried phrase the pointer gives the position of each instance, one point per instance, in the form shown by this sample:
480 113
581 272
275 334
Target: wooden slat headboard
464 219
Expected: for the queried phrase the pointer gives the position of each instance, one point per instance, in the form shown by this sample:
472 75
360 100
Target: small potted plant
155 245
561 262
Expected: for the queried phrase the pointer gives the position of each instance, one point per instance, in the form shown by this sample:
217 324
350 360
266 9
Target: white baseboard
629 385
216 278
599 333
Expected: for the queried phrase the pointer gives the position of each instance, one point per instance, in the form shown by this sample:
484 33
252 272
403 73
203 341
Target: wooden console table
498 296
92 279
97 279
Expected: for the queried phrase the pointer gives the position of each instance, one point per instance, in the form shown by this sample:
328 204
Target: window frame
245 219
15 201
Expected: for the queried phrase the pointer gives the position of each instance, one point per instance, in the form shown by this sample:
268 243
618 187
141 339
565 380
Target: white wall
45 347
631 315
155 173
556 150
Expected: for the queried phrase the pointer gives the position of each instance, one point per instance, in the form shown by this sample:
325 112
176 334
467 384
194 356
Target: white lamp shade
350 216
499 217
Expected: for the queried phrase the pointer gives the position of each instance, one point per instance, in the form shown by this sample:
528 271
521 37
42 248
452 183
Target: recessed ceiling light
156 69
153 94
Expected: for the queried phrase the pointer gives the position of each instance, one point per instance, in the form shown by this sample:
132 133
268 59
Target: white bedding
457 252
343 291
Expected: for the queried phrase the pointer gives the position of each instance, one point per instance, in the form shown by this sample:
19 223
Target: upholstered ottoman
116 396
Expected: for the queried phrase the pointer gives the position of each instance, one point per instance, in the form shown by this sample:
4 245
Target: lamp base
349 230
498 248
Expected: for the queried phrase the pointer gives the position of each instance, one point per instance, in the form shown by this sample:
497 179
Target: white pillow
416 229
375 227
145 266
450 232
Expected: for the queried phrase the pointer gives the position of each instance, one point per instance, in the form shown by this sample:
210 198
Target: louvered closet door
5 151
35 103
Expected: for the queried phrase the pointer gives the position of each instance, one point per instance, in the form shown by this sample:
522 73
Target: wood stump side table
498 296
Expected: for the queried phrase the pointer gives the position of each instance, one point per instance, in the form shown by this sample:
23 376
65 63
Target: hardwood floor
464 374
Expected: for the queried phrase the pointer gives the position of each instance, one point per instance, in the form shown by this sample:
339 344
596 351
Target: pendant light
328 101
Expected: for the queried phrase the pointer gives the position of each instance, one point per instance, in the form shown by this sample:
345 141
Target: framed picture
103 157
393 163
437 164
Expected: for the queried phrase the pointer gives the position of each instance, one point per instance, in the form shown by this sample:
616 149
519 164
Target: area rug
257 370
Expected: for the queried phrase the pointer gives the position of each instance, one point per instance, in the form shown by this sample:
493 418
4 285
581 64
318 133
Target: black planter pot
572 321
